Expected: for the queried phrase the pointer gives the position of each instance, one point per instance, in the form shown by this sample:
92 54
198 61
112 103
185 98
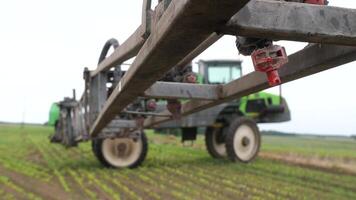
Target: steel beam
169 90
280 20
146 113
183 27
120 123
311 60
214 37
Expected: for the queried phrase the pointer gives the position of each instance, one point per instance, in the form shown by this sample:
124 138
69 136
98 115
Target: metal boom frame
179 30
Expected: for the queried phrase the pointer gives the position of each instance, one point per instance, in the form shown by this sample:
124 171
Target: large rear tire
121 152
215 142
243 140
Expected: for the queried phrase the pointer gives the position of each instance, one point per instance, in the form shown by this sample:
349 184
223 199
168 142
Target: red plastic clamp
151 105
190 78
268 60
317 2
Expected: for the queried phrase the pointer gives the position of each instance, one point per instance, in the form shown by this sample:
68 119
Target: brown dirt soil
127 182
42 189
100 193
36 157
11 193
167 139
184 179
163 194
326 164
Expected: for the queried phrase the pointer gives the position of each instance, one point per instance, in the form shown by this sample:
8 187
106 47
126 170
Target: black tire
99 152
56 137
94 148
213 144
243 140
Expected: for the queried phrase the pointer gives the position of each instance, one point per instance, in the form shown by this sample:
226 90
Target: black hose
110 43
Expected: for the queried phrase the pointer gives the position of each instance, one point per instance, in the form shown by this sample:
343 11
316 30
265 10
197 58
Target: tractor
225 125
224 121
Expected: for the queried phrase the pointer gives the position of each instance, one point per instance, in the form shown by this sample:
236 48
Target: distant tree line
277 133
353 136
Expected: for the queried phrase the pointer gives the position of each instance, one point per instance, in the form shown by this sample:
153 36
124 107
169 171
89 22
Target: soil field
287 168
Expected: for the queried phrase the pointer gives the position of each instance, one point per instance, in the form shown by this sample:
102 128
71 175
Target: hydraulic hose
110 43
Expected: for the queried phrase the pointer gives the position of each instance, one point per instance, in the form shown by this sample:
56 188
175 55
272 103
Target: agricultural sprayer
160 90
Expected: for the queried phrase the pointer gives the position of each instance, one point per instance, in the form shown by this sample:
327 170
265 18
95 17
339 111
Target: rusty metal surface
171 90
294 21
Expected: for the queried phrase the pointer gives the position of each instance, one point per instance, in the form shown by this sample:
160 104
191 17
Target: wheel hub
121 149
245 141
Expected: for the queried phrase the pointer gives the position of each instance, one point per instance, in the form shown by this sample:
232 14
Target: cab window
223 74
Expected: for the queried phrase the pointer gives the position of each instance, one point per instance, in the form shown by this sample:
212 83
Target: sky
45 45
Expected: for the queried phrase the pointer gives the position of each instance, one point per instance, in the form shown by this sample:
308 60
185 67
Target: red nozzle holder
316 2
151 105
190 78
269 60
273 78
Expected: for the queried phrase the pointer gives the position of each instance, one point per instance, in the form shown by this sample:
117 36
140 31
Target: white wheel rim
121 152
219 147
245 143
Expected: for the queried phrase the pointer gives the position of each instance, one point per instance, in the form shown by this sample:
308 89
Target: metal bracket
146 18
98 94
150 17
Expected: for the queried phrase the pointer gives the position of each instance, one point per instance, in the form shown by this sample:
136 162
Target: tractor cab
262 107
219 71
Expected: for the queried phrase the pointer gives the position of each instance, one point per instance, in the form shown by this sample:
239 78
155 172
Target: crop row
7 182
169 172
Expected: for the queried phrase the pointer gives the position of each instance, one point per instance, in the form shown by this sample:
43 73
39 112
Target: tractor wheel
94 148
243 140
215 142
121 152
